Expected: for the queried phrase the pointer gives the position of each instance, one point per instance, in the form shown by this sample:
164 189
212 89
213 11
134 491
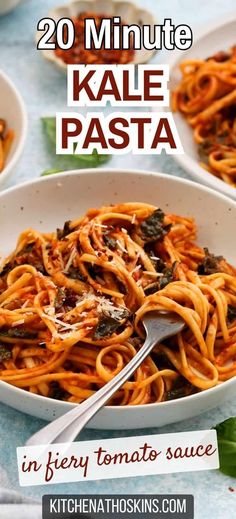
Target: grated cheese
135 269
103 226
121 246
17 323
25 303
153 274
155 258
70 260
104 306
61 323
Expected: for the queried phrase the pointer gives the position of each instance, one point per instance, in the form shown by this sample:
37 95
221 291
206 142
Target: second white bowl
12 110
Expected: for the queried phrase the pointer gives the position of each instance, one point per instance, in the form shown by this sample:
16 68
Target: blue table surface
44 91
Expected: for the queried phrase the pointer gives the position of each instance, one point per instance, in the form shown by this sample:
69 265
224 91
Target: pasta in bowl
203 88
72 300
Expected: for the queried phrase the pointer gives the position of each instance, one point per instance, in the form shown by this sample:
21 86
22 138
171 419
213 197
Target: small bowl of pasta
85 255
203 101
13 126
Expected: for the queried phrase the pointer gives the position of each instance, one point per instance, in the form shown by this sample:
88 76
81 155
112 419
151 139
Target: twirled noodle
72 303
206 96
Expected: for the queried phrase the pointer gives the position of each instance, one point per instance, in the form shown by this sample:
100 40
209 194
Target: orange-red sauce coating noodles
206 96
72 301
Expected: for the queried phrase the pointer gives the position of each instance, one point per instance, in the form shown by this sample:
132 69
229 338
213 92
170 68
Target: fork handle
69 425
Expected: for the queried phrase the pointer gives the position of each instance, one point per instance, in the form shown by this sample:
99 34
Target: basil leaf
51 171
67 162
49 126
226 435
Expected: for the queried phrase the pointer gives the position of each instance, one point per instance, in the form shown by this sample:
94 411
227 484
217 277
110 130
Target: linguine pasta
206 96
72 302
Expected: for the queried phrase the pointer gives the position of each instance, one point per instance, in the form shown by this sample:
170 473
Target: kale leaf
231 315
62 233
106 326
109 241
167 277
19 333
153 227
6 269
60 298
5 353
210 264
75 273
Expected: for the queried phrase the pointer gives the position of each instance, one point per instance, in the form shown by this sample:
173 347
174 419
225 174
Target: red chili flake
231 489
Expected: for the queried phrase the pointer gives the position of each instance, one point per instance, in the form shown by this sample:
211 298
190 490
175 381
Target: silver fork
158 326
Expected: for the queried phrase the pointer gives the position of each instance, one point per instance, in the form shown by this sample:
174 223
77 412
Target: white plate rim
185 161
122 409
8 169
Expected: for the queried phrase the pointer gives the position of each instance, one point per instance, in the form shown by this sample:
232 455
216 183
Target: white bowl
49 201
8 5
128 11
215 37
12 109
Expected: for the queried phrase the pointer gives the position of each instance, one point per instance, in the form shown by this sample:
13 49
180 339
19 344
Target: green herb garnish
75 273
231 314
153 227
6 269
226 436
67 162
5 353
18 333
168 276
210 264
106 327
62 233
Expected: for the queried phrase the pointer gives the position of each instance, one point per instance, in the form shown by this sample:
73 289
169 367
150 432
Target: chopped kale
161 360
25 255
168 276
95 270
160 265
29 247
151 289
6 269
62 233
42 344
71 298
60 298
19 333
75 273
119 313
204 150
231 315
180 389
65 297
5 353
56 391
210 264
106 327
109 241
153 227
